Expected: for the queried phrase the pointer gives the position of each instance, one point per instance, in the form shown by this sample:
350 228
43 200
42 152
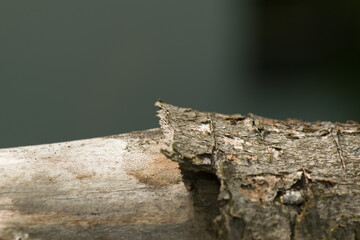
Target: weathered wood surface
240 177
118 187
279 179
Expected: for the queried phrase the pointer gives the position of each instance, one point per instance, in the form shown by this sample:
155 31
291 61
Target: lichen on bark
279 179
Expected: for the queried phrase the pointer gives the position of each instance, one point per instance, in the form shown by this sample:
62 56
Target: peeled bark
279 179
240 177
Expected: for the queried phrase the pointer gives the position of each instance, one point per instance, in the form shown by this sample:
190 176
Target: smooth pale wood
118 187
278 180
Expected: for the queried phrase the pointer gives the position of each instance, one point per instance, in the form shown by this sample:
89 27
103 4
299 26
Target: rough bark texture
240 177
279 179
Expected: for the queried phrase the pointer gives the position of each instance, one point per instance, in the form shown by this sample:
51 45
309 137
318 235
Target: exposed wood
240 177
118 187
279 179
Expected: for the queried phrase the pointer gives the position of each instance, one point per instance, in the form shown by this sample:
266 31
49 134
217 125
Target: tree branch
279 179
240 177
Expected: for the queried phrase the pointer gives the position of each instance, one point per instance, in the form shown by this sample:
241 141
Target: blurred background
80 69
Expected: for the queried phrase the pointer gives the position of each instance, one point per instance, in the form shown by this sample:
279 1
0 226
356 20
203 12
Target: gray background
78 69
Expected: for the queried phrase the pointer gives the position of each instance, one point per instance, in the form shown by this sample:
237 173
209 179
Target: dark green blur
79 69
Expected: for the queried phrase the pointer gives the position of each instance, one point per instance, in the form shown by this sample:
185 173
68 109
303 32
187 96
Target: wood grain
118 187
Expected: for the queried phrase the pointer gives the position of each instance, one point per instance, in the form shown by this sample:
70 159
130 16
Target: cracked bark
278 179
274 180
